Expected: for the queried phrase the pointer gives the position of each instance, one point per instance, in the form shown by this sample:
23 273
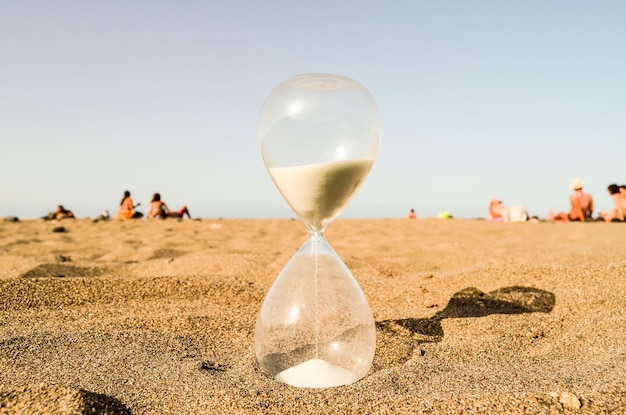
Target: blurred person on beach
581 205
619 205
500 213
60 213
412 214
497 211
127 208
622 192
159 210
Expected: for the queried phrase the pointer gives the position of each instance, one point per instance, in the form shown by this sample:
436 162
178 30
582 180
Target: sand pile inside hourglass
316 373
319 191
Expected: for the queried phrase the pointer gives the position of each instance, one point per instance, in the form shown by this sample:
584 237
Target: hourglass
319 136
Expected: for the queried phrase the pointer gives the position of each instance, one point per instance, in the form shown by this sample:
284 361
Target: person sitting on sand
581 205
127 208
412 214
497 211
619 205
60 213
622 190
159 210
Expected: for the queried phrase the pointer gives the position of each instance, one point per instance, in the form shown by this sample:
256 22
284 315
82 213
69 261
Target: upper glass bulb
319 136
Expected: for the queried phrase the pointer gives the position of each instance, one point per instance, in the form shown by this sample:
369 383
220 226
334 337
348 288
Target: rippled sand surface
148 317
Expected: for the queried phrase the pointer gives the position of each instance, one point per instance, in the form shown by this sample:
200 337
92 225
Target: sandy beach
143 317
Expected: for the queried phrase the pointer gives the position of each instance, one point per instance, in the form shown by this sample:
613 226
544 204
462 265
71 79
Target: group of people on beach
127 210
581 207
157 210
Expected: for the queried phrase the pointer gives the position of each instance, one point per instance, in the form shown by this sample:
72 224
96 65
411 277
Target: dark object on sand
63 258
11 219
211 366
59 229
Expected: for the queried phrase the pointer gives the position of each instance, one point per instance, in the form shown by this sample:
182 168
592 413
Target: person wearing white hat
576 184
581 205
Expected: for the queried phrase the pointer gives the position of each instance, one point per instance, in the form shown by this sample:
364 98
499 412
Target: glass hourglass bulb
319 136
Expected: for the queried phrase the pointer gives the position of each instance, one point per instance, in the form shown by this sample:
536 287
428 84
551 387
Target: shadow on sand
97 403
392 335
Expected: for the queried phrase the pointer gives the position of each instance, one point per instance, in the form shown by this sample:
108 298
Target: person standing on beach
159 210
412 214
581 205
126 210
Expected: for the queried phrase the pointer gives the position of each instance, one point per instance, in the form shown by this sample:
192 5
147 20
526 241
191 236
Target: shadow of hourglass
398 338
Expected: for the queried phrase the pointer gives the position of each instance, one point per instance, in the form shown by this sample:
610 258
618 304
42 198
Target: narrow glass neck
317 226
316 236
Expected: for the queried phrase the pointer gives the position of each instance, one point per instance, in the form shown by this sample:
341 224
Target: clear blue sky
477 99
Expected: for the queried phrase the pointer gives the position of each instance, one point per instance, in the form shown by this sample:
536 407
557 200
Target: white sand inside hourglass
319 191
316 373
